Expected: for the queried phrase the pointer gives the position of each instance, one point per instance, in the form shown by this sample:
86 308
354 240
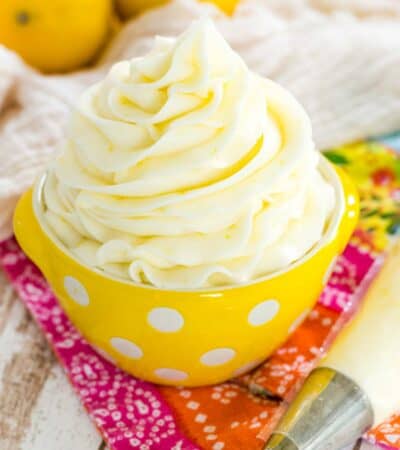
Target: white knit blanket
341 58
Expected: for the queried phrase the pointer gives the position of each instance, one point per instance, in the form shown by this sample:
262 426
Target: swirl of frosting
183 169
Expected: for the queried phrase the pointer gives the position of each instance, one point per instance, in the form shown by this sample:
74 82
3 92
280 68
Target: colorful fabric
240 414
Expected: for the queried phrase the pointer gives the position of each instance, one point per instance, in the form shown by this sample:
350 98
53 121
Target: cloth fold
340 58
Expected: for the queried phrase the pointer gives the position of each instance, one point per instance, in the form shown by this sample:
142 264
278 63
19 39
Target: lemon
128 8
227 6
55 35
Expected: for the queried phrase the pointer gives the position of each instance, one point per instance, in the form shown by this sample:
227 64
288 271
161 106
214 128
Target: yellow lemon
227 6
55 35
128 8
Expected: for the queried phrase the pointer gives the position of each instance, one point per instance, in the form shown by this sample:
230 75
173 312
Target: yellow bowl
177 337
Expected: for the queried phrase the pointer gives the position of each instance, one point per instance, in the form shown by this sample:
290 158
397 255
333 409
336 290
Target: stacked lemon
128 8
55 35
226 5
64 35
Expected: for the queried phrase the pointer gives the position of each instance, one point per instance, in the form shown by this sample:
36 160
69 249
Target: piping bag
357 385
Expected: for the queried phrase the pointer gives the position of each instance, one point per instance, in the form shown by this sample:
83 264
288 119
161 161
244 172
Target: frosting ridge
183 169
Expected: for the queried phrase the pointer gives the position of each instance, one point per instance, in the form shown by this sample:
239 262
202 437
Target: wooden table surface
38 408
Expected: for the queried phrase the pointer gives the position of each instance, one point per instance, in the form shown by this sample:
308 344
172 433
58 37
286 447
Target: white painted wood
25 362
11 314
367 446
58 421
38 408
363 446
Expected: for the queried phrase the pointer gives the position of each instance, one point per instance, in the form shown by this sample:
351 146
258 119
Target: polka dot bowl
188 338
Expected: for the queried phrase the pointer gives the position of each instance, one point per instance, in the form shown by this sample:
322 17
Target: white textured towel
341 58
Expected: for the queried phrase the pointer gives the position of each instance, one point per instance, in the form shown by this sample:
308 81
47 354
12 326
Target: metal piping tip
330 412
278 442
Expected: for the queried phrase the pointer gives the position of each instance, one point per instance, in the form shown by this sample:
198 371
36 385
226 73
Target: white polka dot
351 200
218 356
218 446
246 368
351 214
299 321
329 271
166 320
171 374
263 312
76 291
126 348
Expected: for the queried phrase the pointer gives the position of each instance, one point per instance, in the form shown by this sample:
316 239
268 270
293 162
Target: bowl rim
327 169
